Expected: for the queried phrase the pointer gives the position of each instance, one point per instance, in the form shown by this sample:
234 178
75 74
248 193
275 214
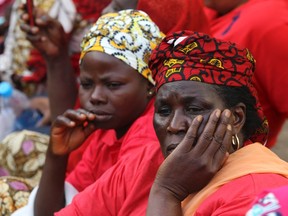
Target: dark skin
49 38
105 82
223 6
118 5
195 130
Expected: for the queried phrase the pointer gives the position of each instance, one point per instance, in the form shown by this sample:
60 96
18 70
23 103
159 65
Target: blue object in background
27 119
6 89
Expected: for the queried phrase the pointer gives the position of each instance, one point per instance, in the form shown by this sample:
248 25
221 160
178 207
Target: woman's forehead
186 89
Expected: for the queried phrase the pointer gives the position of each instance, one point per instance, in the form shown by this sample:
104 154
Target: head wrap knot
198 57
128 35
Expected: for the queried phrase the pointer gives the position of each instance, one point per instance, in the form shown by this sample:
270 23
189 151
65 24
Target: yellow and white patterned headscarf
129 35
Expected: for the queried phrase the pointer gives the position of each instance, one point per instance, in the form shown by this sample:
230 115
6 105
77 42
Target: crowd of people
161 107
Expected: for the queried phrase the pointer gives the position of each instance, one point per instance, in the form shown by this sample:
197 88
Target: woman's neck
225 8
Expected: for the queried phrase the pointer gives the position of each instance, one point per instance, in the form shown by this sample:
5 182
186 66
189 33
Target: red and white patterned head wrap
195 56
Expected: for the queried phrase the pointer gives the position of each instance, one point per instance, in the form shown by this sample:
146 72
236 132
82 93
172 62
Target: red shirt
231 199
188 16
262 27
120 172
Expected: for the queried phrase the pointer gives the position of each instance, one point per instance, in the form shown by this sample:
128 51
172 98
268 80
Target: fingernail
199 118
91 115
34 29
217 113
227 113
229 127
43 17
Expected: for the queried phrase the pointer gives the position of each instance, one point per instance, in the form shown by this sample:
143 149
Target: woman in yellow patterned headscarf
129 35
116 95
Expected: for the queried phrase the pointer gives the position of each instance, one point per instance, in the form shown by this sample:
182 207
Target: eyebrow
163 99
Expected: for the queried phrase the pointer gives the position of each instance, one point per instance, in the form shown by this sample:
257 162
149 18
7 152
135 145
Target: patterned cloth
194 56
22 154
128 35
14 194
271 202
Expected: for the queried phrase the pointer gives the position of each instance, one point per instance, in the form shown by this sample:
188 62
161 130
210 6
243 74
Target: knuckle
224 122
190 136
207 137
70 111
223 149
213 121
218 139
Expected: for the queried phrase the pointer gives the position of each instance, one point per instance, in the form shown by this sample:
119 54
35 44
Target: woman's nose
179 123
98 95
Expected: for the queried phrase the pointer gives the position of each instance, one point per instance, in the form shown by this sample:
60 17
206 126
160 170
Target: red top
231 199
120 172
262 27
175 15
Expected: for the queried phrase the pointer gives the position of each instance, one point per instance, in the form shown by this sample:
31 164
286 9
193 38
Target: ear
239 114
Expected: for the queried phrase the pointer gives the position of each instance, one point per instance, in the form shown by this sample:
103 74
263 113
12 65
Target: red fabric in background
3 5
90 9
37 66
262 27
176 15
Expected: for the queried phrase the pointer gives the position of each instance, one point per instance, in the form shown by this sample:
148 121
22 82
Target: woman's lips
102 116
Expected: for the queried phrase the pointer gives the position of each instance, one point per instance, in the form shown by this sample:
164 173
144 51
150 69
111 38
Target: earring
235 142
150 93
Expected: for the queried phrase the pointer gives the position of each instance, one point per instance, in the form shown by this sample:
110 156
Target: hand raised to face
70 130
198 157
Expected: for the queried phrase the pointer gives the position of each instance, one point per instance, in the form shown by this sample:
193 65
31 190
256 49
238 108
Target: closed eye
113 85
194 110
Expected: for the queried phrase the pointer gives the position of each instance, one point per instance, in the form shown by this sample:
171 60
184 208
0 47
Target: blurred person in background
261 26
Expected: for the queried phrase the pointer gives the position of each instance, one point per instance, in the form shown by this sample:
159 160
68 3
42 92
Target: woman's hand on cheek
195 161
70 130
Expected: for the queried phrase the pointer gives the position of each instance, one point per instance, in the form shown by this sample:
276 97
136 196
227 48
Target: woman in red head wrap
208 118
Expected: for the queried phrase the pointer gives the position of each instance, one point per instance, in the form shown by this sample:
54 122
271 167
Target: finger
62 121
32 34
191 135
36 40
44 21
28 29
24 17
90 127
21 6
221 155
206 136
76 116
90 116
219 133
